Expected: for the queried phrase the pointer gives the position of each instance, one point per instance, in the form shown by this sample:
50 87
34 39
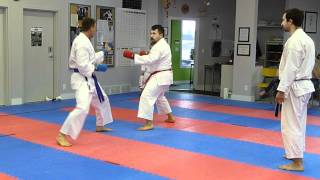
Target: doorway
183 42
2 58
38 39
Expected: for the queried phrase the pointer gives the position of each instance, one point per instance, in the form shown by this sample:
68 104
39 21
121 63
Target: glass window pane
188 43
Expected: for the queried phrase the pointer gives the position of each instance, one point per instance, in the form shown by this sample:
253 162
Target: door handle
50 52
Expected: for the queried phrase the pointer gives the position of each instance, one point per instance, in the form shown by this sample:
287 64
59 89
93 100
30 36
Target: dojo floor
212 139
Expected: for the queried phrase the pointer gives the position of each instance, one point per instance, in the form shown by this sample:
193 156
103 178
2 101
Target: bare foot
147 126
292 167
103 129
62 141
170 120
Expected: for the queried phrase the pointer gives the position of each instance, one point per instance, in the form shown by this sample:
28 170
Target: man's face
286 25
155 36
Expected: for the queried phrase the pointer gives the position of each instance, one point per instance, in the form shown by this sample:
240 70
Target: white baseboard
68 96
242 98
16 101
117 88
134 89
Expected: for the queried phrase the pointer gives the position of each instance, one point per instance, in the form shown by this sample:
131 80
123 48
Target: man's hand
128 54
142 53
280 97
101 67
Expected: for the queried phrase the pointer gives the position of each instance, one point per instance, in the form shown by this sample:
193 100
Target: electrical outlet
246 87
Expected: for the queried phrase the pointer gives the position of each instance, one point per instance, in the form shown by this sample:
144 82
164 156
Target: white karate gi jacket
159 58
296 64
295 70
83 57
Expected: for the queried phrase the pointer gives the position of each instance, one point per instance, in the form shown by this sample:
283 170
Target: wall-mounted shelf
273 53
269 26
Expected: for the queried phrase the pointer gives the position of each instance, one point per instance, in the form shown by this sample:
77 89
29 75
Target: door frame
56 52
5 56
196 46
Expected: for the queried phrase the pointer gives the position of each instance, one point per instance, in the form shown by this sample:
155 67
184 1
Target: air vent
132 4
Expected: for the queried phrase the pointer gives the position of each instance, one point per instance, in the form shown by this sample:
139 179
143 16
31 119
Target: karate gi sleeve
99 57
152 57
83 64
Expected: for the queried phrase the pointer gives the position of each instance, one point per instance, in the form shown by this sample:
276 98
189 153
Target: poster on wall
106 31
77 13
310 25
36 36
244 34
243 49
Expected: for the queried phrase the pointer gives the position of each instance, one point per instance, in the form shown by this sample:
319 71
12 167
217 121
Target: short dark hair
87 23
296 15
159 28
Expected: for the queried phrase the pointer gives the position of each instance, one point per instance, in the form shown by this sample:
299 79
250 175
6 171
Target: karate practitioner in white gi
84 61
158 67
295 88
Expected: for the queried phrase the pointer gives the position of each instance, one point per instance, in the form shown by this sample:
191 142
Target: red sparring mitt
128 54
142 53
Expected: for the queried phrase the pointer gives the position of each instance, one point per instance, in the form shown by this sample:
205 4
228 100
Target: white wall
244 66
308 5
2 65
14 58
224 10
115 76
265 34
175 10
119 75
153 10
14 66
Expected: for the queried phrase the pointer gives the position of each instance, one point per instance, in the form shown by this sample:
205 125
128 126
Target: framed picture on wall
77 13
243 49
244 34
310 22
165 31
106 32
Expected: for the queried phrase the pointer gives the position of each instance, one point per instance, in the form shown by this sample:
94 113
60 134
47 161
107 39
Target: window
188 43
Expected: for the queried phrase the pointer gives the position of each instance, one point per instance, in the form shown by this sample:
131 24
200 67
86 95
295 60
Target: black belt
278 108
98 88
302 79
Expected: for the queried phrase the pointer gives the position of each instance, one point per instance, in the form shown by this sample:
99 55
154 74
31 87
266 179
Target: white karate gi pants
84 98
151 95
293 124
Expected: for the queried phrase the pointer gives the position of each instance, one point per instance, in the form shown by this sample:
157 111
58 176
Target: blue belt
98 88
